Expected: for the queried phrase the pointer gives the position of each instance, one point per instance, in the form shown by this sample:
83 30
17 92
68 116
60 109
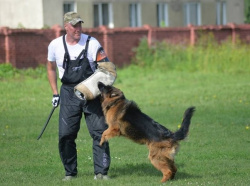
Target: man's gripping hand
55 100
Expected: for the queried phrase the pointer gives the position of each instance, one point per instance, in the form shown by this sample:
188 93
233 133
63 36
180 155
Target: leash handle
47 122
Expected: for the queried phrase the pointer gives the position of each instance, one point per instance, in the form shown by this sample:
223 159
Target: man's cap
72 18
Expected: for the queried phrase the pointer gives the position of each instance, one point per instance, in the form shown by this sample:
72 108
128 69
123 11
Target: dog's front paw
102 141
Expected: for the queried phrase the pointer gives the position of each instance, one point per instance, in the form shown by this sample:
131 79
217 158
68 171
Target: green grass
215 153
207 56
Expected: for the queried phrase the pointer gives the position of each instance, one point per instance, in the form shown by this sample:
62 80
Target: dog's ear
101 86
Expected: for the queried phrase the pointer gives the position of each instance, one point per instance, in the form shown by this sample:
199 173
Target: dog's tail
183 131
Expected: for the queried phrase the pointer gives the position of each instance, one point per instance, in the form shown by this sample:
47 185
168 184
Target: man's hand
55 100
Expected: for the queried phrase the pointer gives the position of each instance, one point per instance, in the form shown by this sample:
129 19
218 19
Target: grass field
217 151
164 82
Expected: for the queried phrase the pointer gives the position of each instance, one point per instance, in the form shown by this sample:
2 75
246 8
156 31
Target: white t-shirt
56 51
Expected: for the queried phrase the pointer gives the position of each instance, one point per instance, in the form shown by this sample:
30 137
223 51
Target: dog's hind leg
174 170
109 133
164 168
161 162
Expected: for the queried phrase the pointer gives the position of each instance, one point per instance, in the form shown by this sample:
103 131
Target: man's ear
65 26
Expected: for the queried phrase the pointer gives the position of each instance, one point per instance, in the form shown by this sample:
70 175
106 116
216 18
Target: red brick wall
24 47
2 46
28 47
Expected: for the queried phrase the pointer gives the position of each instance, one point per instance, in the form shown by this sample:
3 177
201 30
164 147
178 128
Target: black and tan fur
124 118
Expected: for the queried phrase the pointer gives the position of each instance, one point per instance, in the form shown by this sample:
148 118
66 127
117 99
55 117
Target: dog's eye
112 95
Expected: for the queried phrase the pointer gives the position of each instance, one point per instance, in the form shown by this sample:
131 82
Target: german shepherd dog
124 118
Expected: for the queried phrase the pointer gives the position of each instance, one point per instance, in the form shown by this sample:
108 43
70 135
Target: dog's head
109 93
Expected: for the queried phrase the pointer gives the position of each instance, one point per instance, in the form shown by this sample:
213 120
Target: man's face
74 31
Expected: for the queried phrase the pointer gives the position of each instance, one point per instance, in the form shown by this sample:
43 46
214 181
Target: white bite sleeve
88 89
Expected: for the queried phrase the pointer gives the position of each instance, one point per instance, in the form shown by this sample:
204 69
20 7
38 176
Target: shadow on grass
142 169
184 175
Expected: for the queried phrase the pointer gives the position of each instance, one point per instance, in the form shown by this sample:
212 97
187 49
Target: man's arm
52 76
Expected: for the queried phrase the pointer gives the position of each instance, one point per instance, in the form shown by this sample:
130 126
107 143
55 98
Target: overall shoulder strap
66 55
65 46
84 51
87 46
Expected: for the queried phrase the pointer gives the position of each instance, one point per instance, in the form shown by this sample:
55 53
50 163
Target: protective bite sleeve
88 89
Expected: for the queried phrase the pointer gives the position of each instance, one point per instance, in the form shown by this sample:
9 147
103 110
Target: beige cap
72 18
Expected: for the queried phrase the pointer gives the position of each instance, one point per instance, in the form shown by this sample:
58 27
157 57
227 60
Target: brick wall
24 47
28 47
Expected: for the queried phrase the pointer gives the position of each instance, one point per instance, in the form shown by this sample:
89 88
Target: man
75 55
